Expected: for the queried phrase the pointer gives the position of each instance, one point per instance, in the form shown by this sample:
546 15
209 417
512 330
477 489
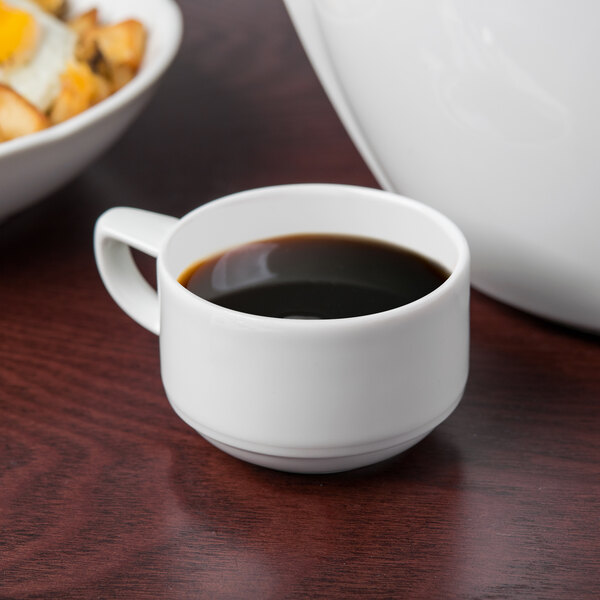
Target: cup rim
460 269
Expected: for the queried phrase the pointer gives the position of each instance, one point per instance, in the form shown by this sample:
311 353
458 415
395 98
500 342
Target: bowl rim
147 76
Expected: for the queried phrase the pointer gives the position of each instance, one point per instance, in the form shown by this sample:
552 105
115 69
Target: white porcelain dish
487 111
33 166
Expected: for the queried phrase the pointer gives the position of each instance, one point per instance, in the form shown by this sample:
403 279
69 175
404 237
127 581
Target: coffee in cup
336 392
311 276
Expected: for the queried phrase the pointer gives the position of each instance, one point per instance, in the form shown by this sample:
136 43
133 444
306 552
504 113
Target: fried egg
35 49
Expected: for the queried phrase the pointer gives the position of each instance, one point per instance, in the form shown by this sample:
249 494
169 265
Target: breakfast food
51 69
17 116
35 48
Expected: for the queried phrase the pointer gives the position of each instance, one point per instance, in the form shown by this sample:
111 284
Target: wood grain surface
105 493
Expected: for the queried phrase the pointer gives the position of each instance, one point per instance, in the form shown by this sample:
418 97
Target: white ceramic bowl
487 111
33 166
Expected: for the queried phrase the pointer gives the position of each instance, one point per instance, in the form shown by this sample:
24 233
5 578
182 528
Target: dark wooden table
105 493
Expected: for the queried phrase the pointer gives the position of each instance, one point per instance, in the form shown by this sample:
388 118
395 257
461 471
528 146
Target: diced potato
81 88
103 88
17 116
84 26
122 44
113 51
85 22
119 76
56 7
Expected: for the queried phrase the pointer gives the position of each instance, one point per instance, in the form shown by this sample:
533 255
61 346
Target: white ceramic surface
488 111
297 395
33 166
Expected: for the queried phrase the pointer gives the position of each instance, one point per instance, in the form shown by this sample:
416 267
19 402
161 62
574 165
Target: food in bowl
53 67
34 166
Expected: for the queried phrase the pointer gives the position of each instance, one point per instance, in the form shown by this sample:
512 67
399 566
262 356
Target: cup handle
116 232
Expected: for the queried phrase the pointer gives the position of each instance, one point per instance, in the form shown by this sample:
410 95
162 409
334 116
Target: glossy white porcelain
488 111
297 395
33 166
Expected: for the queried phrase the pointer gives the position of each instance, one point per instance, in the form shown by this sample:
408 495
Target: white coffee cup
297 395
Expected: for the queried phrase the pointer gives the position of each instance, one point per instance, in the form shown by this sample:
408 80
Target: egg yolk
19 34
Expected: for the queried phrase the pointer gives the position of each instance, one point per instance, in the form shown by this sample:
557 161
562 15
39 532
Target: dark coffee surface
314 277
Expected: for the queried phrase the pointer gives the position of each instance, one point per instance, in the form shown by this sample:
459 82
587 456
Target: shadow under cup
323 395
